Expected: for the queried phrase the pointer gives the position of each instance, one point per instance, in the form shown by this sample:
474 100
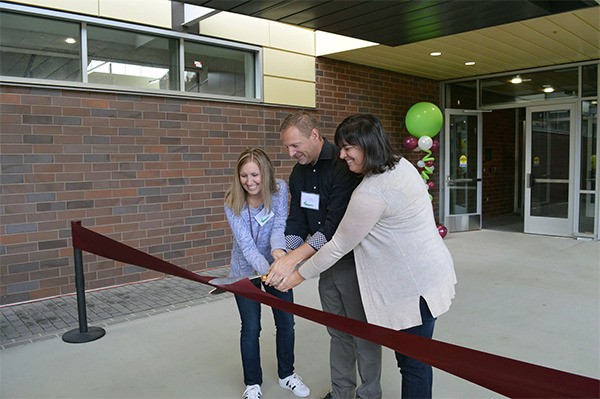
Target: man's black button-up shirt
331 179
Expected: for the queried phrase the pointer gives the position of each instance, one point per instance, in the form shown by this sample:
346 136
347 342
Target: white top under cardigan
399 253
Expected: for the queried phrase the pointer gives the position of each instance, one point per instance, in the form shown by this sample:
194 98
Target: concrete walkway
533 298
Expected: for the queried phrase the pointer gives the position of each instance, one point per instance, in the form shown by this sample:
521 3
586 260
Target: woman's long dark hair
365 131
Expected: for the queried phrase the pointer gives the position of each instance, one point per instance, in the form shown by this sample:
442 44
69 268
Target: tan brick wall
147 171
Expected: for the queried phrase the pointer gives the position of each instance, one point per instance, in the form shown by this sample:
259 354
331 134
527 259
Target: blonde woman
256 206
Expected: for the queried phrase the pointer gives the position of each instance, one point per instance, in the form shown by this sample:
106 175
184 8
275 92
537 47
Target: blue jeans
417 377
250 334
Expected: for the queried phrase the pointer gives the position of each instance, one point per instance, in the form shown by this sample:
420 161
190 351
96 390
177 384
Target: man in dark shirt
320 187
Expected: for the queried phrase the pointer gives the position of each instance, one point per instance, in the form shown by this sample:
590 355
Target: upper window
39 48
131 59
218 70
461 95
525 87
123 55
589 80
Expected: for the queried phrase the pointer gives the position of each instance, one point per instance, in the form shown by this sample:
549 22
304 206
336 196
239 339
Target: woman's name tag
263 216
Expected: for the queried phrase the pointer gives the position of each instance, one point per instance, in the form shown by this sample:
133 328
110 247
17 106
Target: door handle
530 180
449 180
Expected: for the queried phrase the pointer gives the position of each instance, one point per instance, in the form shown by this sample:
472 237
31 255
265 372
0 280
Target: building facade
135 131
150 169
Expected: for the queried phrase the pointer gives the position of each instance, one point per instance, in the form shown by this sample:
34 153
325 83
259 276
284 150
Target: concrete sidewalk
533 298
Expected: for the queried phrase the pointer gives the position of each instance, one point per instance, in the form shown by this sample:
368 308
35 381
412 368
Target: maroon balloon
435 146
430 185
442 230
429 163
410 143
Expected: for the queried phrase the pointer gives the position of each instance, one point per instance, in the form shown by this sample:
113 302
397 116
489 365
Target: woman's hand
278 253
290 282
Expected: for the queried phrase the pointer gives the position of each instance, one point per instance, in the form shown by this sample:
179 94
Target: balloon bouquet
424 121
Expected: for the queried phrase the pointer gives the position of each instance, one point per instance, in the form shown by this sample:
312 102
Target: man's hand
285 265
280 269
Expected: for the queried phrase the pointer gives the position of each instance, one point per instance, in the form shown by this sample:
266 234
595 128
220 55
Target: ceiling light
516 80
70 40
548 89
470 63
435 54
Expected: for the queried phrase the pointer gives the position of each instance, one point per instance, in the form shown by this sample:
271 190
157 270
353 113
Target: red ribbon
509 377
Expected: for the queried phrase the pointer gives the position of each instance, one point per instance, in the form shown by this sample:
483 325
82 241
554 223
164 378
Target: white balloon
425 143
421 164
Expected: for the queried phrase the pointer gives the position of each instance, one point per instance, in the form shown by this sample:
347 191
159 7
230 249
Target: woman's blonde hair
235 197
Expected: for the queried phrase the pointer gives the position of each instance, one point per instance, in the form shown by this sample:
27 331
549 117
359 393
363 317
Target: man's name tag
263 216
309 201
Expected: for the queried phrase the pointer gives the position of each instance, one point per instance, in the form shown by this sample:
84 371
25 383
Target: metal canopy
395 23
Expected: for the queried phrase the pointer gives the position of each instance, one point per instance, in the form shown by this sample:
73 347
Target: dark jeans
250 334
417 377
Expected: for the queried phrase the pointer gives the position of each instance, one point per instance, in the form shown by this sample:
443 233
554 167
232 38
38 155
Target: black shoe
328 396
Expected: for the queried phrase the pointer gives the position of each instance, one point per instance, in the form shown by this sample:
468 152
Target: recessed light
516 80
548 89
435 54
470 63
70 40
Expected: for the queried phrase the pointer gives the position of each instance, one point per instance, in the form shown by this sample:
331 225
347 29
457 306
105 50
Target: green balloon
424 119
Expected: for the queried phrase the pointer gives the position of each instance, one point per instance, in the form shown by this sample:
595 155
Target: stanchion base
78 337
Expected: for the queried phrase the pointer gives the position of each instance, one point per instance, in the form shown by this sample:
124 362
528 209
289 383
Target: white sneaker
294 383
252 392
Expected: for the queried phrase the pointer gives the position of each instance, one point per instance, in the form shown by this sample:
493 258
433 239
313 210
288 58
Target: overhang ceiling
498 35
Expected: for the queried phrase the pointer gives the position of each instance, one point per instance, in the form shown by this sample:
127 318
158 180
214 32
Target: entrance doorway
549 170
462 155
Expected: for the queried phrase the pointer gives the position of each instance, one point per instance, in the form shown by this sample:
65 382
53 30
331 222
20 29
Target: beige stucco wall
288 55
147 12
79 6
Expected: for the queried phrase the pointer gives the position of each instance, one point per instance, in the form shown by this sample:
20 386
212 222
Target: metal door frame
467 221
540 224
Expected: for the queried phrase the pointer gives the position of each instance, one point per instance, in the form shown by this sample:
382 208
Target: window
533 86
47 45
461 95
589 80
39 48
218 70
132 59
588 167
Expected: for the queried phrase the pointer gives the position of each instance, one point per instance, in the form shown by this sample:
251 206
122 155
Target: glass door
549 170
462 188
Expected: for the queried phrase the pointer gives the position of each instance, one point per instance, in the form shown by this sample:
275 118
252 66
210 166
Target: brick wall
148 171
498 186
344 89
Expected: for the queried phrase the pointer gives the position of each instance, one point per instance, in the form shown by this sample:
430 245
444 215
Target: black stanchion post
83 334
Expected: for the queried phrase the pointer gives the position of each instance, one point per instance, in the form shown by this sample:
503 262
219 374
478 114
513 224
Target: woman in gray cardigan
405 271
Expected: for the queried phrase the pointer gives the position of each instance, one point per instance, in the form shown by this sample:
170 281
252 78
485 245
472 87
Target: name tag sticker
263 217
309 201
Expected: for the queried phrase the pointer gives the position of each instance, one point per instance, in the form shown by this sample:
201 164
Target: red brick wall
498 186
147 171
344 89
